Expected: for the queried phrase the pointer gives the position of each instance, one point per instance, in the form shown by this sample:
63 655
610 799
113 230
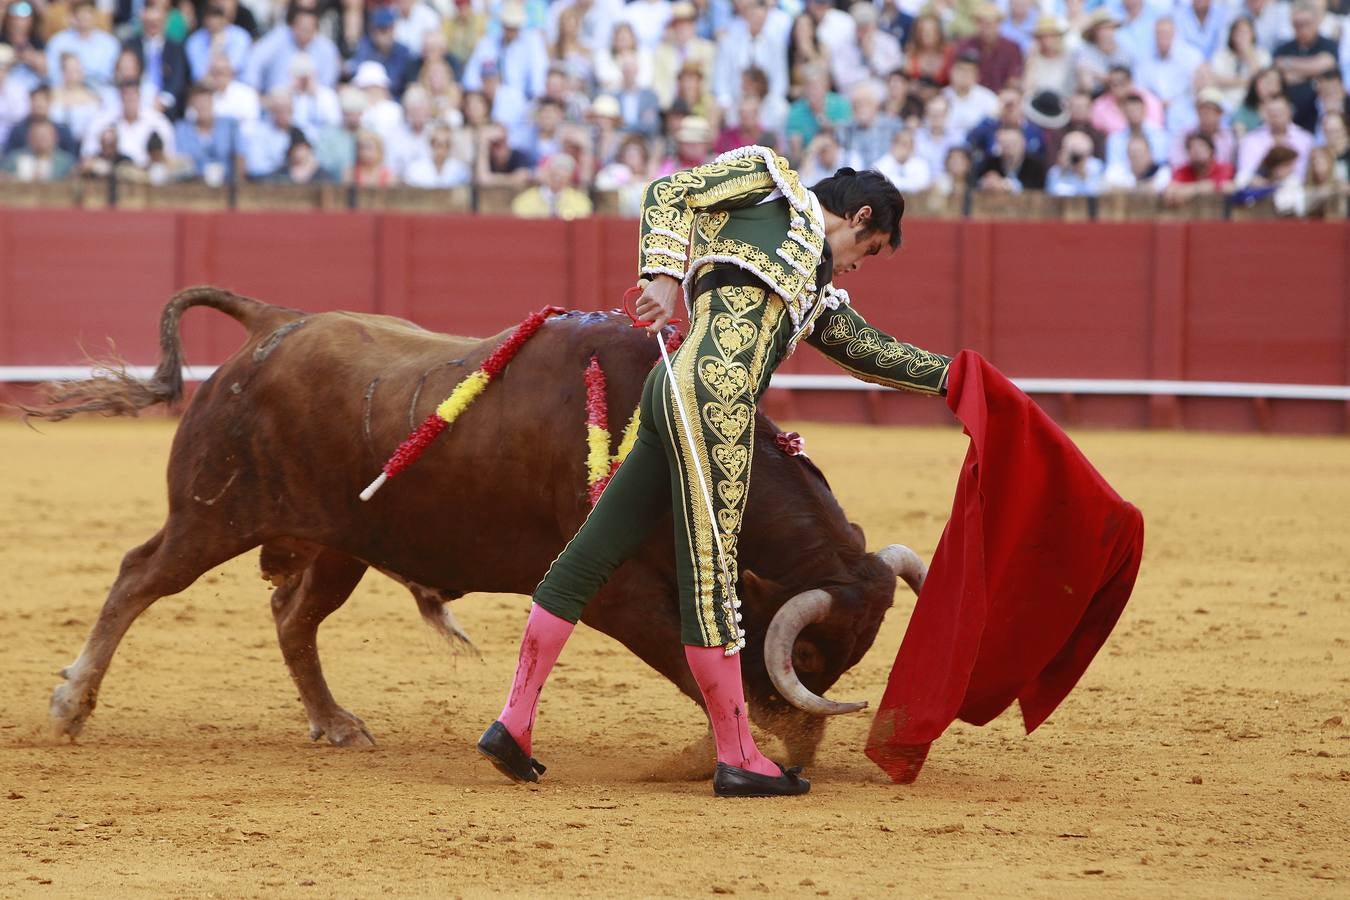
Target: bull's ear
756 591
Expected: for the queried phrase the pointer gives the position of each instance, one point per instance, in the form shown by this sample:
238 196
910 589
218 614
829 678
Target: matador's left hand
657 303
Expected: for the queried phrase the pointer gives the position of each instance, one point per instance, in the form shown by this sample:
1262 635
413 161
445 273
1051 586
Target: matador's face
851 242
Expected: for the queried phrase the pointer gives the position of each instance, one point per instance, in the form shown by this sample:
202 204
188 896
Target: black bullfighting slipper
730 781
503 752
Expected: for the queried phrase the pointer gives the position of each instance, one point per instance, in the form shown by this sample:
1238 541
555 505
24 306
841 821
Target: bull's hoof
342 730
69 709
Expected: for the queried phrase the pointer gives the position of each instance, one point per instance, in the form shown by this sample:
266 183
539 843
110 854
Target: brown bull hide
275 447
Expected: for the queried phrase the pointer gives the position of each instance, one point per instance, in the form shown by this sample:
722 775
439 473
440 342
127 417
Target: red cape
1033 570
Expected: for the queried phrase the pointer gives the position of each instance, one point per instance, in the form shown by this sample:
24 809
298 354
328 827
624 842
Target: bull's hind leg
167 563
299 605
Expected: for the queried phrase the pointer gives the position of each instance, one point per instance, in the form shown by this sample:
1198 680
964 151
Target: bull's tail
113 391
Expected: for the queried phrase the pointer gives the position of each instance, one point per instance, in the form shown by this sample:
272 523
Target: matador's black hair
847 191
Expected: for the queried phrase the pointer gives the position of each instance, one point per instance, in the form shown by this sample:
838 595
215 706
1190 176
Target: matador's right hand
656 306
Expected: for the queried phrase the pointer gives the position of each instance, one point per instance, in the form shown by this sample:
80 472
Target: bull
275 446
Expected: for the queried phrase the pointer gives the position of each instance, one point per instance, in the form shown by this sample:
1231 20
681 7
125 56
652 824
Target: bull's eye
806 657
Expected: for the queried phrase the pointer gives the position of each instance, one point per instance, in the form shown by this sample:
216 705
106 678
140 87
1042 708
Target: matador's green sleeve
670 203
876 357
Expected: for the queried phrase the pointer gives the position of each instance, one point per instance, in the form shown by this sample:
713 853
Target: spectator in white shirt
835 29
133 124
757 38
874 54
936 137
970 102
230 97
415 20
382 114
649 19
439 168
907 171
411 140
313 106
519 54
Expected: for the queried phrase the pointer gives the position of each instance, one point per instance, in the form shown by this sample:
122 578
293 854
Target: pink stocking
545 635
719 678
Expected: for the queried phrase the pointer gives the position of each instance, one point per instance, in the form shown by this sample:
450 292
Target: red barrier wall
1263 302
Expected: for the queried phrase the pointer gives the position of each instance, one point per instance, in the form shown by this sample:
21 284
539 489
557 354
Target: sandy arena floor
1206 753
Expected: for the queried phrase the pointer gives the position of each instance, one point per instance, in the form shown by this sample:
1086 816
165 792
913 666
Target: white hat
694 130
371 74
513 15
606 106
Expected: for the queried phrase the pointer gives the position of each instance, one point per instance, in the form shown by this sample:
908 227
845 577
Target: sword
704 489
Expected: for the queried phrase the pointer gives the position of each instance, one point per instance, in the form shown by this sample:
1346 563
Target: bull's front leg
801 732
299 605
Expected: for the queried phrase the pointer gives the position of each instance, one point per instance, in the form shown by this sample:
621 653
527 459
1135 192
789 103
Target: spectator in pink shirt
1107 110
1279 130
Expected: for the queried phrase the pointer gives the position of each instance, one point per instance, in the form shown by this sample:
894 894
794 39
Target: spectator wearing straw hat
1100 52
1208 124
681 48
1049 65
999 59
873 54
691 146
553 197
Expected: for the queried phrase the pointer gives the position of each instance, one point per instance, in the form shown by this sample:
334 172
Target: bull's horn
804 609
905 563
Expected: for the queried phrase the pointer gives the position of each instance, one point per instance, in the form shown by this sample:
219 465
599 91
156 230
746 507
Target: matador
754 254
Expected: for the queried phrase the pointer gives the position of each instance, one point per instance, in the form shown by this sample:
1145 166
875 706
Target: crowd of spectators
555 100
